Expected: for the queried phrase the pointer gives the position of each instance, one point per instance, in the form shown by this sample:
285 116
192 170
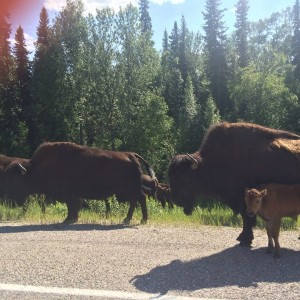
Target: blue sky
163 13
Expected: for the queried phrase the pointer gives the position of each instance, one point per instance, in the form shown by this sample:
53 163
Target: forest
100 81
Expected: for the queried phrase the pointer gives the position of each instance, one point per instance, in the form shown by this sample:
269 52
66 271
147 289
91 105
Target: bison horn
195 163
23 170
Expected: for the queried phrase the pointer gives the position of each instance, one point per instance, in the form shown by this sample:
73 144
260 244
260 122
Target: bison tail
149 169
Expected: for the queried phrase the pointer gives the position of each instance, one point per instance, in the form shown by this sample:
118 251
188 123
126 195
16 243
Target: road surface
84 261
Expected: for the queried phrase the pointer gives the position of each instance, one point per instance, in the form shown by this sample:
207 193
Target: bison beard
70 172
234 156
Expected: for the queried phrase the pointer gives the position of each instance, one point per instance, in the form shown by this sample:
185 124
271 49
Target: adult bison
7 188
234 156
70 172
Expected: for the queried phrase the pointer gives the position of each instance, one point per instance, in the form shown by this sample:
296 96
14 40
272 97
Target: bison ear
264 193
23 169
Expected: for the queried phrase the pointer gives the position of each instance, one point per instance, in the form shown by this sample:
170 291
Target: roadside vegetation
212 213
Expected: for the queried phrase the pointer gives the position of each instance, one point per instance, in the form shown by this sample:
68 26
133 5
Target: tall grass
214 213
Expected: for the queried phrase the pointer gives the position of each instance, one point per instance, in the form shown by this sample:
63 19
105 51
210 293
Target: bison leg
246 236
132 206
275 235
144 209
42 204
270 238
107 208
73 209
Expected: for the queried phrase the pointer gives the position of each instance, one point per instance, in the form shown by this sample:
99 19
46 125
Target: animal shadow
235 266
61 227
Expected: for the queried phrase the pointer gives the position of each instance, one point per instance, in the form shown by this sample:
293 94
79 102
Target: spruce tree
296 40
242 29
216 65
23 74
13 131
5 50
183 49
144 16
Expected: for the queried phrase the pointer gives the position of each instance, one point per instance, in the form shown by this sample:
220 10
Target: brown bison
163 195
7 188
70 172
272 202
157 190
234 156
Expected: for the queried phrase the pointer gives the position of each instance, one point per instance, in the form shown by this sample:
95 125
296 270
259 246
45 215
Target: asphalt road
143 262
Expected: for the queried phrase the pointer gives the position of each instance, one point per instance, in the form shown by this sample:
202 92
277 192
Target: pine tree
5 50
144 16
165 43
23 72
242 29
183 49
174 43
296 40
43 77
13 132
216 69
43 30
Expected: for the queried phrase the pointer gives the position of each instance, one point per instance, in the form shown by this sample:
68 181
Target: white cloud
160 2
29 41
54 4
232 10
91 5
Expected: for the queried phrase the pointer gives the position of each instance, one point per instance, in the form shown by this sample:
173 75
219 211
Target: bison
272 202
157 190
163 195
7 188
233 156
70 172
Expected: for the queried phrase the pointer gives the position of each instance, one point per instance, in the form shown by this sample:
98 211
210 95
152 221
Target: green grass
214 214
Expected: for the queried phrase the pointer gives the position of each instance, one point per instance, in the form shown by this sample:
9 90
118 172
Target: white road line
89 293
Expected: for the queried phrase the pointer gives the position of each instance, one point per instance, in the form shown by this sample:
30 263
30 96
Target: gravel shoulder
203 261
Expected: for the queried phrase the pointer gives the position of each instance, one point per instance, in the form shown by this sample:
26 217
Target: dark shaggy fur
70 172
234 156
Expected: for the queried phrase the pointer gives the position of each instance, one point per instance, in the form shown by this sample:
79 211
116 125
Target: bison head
183 180
15 185
254 200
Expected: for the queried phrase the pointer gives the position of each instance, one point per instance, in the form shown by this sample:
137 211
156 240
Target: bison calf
272 202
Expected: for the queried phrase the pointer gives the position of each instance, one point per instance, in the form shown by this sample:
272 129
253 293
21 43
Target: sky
163 13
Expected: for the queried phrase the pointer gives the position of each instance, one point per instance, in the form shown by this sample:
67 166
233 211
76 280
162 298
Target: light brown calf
272 202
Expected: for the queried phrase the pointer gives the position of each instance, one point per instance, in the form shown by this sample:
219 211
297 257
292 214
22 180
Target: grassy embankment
205 214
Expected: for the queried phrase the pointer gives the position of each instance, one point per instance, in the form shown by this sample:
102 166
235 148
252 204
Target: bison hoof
126 221
245 244
269 250
245 241
276 255
143 222
70 221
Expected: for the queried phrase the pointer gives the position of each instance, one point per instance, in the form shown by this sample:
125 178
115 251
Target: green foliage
263 98
99 81
206 213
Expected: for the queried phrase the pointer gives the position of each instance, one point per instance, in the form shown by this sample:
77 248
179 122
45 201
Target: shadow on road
61 227
235 266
